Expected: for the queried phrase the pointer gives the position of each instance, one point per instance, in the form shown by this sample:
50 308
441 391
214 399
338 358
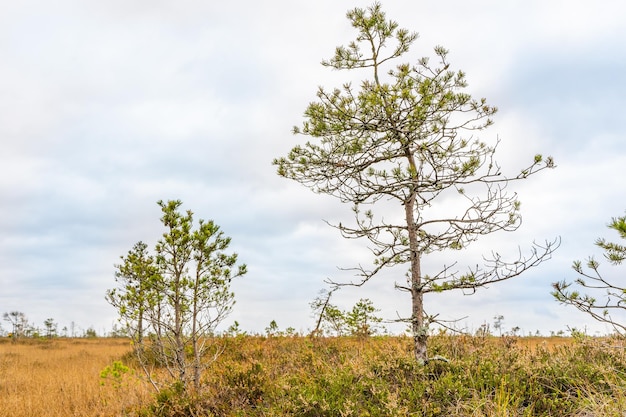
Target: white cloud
107 107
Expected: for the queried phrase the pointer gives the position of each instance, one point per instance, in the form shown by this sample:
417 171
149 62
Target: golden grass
547 342
62 378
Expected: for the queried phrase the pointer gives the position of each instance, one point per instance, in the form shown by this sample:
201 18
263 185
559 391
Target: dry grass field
299 376
61 378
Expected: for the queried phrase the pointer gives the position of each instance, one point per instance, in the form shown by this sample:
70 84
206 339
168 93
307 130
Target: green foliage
361 320
599 297
245 388
175 401
614 252
114 373
335 320
235 330
377 376
272 329
90 333
404 138
51 328
171 301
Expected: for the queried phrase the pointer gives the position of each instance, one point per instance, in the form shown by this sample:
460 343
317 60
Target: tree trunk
194 334
419 329
179 346
140 327
420 332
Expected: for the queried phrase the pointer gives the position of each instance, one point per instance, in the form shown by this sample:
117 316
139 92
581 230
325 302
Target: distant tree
335 321
51 328
135 276
90 333
483 330
329 318
19 323
604 299
179 295
403 142
497 323
235 330
362 320
319 306
272 329
118 331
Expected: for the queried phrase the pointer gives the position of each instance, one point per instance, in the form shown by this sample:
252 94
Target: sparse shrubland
346 376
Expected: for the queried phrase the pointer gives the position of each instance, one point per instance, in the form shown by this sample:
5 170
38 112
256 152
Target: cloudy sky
108 106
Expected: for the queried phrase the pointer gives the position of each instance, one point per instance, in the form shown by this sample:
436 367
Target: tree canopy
177 296
401 141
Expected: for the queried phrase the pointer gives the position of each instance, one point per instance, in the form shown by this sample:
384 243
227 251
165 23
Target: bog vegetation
323 376
400 139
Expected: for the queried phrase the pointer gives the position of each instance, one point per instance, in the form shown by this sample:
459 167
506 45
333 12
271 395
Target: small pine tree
604 300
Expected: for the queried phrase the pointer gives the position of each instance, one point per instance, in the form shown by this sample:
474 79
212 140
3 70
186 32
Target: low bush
485 376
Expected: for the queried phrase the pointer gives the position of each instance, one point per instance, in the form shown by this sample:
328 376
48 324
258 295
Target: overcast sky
108 106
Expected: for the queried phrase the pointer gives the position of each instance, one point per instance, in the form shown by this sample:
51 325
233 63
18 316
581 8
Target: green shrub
486 376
